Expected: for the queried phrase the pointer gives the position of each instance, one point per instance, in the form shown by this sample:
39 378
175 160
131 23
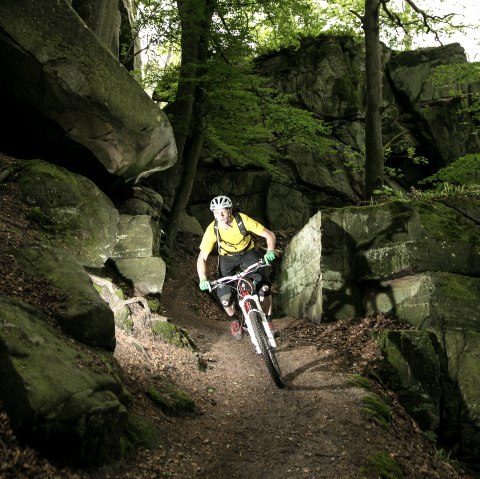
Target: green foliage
158 24
464 171
377 410
411 156
246 118
360 381
353 160
294 125
400 23
166 84
342 18
383 466
453 78
446 456
417 160
388 193
279 23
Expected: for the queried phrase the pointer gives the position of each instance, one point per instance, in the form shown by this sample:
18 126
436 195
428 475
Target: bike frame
250 304
255 321
248 300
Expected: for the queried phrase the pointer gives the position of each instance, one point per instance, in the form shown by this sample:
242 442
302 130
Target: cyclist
236 249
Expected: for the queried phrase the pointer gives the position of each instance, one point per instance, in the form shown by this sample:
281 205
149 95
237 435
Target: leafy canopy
464 171
245 116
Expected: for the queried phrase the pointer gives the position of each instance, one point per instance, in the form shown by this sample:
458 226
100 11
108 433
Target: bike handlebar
230 279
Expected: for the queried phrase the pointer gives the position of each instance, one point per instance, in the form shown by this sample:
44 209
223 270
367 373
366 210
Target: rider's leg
230 310
229 307
226 266
226 300
265 295
267 305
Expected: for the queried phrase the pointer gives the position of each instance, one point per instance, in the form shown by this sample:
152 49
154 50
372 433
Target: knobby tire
268 352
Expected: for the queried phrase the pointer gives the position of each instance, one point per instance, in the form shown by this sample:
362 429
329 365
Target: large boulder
301 280
429 300
70 93
145 276
140 200
325 75
413 368
367 253
85 316
103 18
420 262
463 353
442 127
55 400
74 213
135 237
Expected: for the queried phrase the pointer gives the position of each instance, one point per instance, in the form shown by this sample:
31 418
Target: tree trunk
191 127
374 155
180 112
190 161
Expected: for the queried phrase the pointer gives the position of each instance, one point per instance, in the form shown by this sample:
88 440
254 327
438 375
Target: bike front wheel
268 352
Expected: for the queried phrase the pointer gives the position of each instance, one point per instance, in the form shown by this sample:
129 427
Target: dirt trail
253 429
314 428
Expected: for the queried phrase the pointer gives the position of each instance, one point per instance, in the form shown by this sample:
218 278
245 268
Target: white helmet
220 202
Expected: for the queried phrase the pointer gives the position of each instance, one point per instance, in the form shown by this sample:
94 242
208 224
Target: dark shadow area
317 365
29 135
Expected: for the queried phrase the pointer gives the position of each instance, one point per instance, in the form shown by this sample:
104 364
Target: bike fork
248 322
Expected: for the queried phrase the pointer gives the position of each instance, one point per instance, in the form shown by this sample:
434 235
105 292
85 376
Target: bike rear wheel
268 352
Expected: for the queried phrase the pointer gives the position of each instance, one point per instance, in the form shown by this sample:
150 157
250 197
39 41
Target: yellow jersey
231 239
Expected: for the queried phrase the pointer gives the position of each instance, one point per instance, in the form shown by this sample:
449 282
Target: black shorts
228 265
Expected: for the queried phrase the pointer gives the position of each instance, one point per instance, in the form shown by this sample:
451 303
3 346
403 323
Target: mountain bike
254 322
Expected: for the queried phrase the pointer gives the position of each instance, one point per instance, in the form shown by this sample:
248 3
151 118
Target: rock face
85 317
74 97
52 397
70 103
72 209
59 381
418 261
325 75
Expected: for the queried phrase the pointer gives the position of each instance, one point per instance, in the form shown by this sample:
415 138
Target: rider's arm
202 265
206 246
270 238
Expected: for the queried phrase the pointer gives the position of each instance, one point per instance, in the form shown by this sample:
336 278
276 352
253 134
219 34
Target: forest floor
320 425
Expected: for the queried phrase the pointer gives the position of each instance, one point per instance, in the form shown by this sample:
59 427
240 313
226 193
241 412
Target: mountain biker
235 250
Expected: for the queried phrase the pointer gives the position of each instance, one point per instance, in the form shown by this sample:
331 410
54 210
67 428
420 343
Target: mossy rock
374 407
171 400
70 210
139 433
173 334
412 369
383 466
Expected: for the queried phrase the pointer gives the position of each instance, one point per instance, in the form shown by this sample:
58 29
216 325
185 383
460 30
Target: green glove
204 285
269 256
